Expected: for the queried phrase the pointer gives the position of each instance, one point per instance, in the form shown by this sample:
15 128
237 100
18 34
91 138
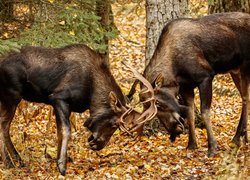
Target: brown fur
190 52
73 78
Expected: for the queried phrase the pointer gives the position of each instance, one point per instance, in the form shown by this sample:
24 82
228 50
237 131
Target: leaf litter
33 131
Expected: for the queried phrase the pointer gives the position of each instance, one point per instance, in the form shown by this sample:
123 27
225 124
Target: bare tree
158 14
104 10
6 10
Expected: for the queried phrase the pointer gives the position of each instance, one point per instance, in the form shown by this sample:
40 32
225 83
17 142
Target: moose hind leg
8 151
242 126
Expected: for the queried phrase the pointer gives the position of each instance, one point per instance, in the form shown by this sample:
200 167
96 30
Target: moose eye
115 126
158 105
112 124
161 106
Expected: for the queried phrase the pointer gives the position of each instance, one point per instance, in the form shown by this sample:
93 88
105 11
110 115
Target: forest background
54 23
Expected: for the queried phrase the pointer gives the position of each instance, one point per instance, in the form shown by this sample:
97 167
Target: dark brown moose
190 52
73 78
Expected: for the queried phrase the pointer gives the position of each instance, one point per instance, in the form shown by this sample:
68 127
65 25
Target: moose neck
103 84
160 64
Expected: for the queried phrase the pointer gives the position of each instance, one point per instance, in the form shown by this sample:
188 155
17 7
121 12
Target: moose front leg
8 151
5 156
63 132
188 98
205 91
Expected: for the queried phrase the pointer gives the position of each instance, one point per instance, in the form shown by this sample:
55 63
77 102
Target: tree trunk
104 10
158 14
216 6
6 10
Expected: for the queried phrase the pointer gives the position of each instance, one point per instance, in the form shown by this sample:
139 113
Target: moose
73 78
189 53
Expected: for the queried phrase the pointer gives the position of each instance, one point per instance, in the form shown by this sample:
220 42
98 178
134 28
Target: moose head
157 101
104 123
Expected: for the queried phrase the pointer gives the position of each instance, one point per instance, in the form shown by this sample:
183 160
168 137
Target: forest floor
154 156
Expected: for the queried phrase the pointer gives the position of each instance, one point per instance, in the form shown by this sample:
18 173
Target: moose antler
140 118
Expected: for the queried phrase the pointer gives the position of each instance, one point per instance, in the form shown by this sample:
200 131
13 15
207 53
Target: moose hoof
192 146
62 168
213 151
7 162
19 161
236 141
62 172
245 140
9 165
21 164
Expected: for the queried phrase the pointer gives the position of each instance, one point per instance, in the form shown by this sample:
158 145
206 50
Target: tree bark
158 13
216 6
6 10
104 10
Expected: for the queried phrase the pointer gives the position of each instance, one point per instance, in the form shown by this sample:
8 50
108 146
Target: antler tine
150 112
125 114
121 120
140 77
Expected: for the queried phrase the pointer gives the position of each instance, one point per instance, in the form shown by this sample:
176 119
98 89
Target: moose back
71 78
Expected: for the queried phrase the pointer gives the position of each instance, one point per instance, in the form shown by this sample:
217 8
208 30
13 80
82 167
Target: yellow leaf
51 1
51 152
117 132
72 33
148 167
62 23
144 138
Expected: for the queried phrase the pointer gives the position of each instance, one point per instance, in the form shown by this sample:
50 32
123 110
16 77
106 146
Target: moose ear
114 102
158 81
